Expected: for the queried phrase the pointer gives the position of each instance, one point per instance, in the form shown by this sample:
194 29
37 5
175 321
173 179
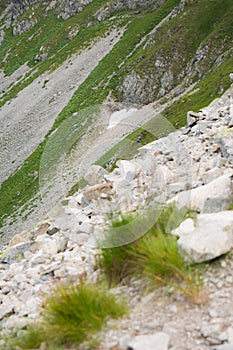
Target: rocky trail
192 167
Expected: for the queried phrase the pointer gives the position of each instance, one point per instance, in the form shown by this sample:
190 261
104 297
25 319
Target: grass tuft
154 256
71 315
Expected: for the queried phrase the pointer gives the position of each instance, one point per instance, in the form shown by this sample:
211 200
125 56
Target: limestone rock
20 238
192 118
211 237
157 341
15 253
214 205
95 175
223 347
196 198
128 169
6 310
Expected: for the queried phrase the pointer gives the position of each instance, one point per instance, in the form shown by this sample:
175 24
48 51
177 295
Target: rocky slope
155 60
58 60
192 167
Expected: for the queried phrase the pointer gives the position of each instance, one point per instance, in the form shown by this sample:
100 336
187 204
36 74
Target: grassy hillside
194 46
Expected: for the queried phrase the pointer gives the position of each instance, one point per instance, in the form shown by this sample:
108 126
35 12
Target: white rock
157 341
162 175
128 169
230 335
195 198
212 237
6 310
192 118
212 175
95 175
186 227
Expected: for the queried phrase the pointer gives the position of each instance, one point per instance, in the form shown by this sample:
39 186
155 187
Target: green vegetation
72 314
212 27
51 33
154 256
207 23
11 197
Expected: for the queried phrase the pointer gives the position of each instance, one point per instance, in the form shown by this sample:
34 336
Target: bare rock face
23 26
20 6
137 89
69 8
64 9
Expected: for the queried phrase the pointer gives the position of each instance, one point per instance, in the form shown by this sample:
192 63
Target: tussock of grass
71 315
154 257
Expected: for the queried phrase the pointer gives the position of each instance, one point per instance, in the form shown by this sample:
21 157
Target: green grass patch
208 23
153 257
21 186
72 314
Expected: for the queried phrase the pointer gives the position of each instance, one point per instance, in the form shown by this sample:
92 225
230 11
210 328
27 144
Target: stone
41 230
157 341
196 198
95 175
214 205
223 347
226 144
211 175
230 331
20 238
192 118
15 253
212 330
52 231
186 227
6 310
128 169
211 237
231 76
93 192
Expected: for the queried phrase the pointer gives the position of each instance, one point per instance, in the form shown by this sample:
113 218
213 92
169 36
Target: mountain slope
166 47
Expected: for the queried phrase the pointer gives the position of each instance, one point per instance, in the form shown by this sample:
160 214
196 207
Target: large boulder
196 198
210 237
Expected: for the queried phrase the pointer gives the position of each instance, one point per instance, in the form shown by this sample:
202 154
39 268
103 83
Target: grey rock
128 169
6 310
212 175
69 8
95 175
223 347
211 237
212 330
157 341
15 253
23 26
192 118
226 145
214 205
196 198
52 231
